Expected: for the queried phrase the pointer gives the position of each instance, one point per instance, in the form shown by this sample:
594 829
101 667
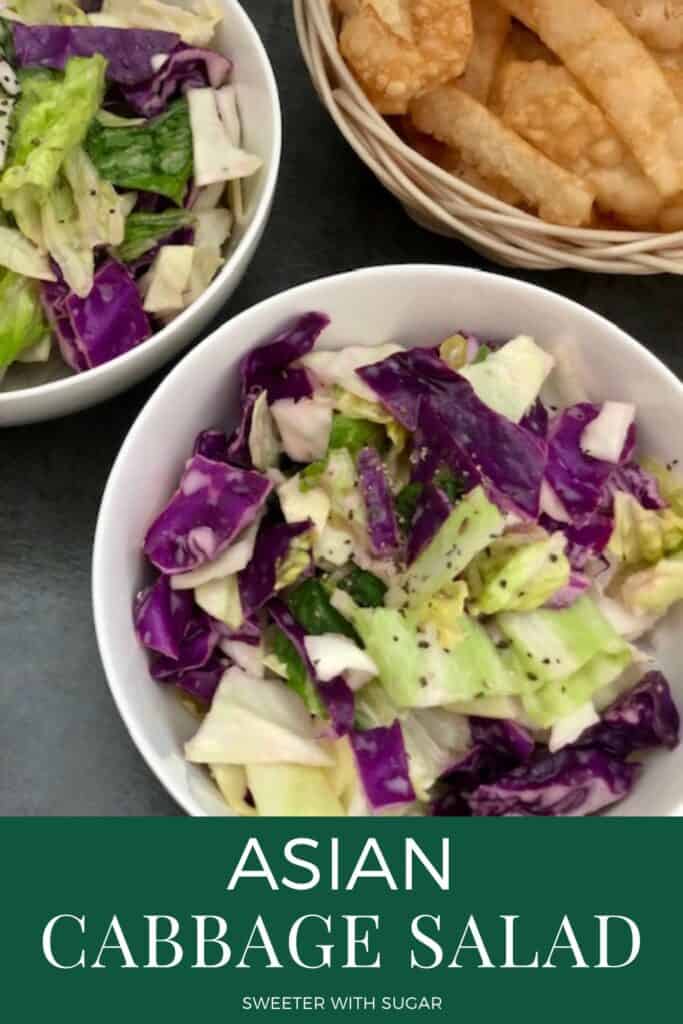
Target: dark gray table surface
63 748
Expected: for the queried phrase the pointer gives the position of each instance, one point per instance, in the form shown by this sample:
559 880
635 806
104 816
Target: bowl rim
109 658
253 228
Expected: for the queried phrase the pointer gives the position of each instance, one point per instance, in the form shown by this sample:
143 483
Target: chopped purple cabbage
432 512
212 444
383 766
379 503
585 541
570 783
565 597
257 581
212 505
336 695
110 321
420 390
186 68
642 718
53 296
238 446
537 419
201 683
633 479
128 51
578 479
269 366
162 617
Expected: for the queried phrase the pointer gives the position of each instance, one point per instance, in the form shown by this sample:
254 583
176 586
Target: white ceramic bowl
411 305
32 393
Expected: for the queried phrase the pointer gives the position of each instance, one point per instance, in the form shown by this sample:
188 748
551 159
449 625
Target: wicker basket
442 203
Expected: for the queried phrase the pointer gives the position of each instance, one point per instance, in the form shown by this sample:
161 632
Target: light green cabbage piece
293 791
22 323
21 256
44 12
231 780
643 535
554 701
654 590
63 235
670 483
510 379
220 598
25 207
552 645
101 210
295 562
443 612
416 670
194 20
52 118
256 721
471 526
516 573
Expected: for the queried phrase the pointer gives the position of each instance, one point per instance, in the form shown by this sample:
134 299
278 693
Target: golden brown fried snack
546 107
523 44
347 7
391 69
491 25
659 23
622 76
494 151
453 162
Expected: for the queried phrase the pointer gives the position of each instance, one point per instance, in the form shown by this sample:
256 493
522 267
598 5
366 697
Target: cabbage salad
406 584
121 168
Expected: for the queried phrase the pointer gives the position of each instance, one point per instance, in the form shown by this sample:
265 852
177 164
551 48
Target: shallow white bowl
410 305
33 393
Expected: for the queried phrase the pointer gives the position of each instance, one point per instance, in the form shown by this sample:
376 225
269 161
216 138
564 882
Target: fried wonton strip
392 70
491 26
621 75
659 23
493 150
543 104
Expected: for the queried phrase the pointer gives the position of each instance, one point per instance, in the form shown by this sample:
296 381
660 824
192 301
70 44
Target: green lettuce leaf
22 323
297 677
311 607
154 157
51 118
366 589
354 434
406 505
144 230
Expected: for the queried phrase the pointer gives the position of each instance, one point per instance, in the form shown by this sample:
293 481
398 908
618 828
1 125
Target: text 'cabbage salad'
405 584
121 168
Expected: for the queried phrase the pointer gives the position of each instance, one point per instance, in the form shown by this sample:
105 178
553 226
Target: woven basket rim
442 202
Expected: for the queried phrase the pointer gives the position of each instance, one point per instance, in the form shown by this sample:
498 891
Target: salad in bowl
121 174
413 581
